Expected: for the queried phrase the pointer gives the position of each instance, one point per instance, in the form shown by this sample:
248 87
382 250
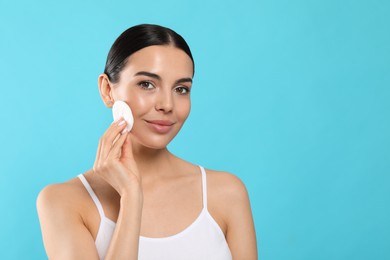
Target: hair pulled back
136 38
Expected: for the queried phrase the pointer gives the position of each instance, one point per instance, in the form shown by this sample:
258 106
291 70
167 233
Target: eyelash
181 88
142 85
187 90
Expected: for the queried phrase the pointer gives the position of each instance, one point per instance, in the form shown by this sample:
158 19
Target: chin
155 142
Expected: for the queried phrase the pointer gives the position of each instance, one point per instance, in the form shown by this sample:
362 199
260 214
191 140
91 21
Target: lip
160 126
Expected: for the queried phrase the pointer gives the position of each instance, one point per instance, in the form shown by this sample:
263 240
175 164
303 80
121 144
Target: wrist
132 195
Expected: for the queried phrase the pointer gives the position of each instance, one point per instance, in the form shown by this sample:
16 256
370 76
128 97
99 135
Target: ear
105 90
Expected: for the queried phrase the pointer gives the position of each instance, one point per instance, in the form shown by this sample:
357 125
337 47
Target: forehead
164 60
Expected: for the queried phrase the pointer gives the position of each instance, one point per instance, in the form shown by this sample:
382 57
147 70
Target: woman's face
156 84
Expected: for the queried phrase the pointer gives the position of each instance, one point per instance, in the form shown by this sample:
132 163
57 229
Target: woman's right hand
59 205
114 159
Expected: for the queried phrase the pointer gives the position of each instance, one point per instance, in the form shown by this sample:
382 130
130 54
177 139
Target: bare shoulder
226 195
229 205
60 197
61 208
225 184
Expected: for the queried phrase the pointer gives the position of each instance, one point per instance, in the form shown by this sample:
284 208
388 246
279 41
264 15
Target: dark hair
136 38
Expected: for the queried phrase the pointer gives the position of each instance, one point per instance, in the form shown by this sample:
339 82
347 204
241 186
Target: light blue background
291 96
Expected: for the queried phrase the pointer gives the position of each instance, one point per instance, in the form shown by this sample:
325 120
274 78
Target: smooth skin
142 186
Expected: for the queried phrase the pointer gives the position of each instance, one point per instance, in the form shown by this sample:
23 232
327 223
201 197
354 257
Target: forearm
125 240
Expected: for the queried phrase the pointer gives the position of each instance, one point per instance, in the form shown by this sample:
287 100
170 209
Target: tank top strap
92 194
204 187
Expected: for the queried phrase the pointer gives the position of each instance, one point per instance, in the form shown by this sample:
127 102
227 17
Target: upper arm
241 236
64 234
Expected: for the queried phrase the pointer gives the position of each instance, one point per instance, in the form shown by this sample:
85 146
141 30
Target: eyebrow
155 76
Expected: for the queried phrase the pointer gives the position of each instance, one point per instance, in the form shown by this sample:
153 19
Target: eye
146 85
182 90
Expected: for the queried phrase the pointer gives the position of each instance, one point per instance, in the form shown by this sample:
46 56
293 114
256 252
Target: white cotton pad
121 109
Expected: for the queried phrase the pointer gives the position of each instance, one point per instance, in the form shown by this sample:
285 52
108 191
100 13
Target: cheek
139 104
183 109
140 101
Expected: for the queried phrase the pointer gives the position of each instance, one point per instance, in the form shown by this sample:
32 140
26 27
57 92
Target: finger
115 152
116 138
127 151
115 128
110 137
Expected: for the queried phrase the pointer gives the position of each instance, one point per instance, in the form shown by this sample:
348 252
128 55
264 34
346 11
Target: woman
139 201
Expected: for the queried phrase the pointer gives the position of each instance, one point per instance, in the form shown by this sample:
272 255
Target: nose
164 101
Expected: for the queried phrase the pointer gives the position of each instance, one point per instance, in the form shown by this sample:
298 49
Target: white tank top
202 240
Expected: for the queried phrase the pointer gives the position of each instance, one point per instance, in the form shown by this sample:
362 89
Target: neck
152 162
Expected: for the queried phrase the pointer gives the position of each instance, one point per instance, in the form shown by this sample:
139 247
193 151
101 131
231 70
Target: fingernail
116 121
121 122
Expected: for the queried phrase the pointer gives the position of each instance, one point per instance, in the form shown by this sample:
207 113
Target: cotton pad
121 109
